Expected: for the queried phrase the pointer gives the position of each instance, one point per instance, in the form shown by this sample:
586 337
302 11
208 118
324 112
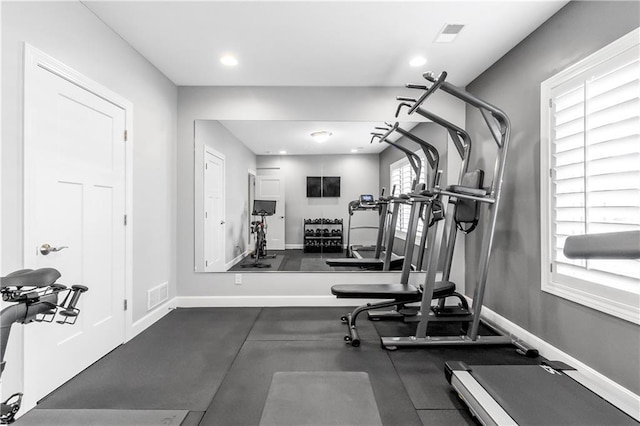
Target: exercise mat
320 398
314 265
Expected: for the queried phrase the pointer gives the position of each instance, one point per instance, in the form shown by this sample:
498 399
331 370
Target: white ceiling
318 43
271 137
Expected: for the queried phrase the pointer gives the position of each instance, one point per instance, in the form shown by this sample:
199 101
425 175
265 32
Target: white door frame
34 59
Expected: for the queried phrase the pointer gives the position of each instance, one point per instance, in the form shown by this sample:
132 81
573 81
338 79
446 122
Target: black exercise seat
43 277
399 292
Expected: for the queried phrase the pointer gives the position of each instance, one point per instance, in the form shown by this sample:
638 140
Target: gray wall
605 343
238 161
359 175
72 34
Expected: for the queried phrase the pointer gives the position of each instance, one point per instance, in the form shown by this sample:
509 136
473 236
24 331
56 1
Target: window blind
402 176
595 166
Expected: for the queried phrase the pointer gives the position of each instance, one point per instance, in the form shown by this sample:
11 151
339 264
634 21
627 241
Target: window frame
621 303
402 233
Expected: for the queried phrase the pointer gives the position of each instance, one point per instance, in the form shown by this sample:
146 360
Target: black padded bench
394 294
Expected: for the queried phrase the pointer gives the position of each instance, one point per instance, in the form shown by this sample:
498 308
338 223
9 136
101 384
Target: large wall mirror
245 165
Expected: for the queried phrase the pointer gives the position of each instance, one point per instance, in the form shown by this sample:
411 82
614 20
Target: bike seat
43 277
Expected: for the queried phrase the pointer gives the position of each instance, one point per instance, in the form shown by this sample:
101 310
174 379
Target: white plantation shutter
593 170
402 176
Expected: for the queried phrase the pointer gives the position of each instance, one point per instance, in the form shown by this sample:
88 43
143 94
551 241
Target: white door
74 197
271 187
214 222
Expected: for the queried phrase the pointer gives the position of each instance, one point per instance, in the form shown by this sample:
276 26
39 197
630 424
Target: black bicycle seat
42 277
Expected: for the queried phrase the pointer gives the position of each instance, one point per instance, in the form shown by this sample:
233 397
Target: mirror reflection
301 195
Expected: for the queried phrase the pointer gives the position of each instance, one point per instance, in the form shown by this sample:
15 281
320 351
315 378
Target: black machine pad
389 291
467 211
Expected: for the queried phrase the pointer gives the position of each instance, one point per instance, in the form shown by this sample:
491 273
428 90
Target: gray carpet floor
218 365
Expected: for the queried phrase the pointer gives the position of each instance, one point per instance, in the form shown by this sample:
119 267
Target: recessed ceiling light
283 152
449 33
229 60
354 150
418 61
321 136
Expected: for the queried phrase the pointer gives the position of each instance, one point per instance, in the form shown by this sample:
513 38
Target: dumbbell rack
323 235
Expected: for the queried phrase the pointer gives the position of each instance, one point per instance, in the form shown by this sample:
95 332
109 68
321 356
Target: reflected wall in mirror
239 163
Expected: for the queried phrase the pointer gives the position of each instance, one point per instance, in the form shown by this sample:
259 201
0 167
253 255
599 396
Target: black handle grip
76 290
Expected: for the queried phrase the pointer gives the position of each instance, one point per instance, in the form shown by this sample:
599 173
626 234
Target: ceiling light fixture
418 61
354 150
321 136
283 152
449 33
229 60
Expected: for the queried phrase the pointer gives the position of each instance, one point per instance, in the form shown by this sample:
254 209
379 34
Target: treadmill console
367 200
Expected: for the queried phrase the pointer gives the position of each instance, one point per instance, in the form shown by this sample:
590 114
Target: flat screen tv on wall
314 186
326 186
331 186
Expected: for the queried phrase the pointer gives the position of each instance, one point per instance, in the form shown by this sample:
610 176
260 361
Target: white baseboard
236 260
263 301
617 395
293 246
152 317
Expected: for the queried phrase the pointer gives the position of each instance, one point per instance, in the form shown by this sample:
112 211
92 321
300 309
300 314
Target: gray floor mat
315 265
178 363
241 397
52 417
320 398
307 324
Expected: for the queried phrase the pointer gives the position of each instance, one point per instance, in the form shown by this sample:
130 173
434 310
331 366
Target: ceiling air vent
449 33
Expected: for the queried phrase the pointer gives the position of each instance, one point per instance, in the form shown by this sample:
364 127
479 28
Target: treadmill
366 202
547 394
388 261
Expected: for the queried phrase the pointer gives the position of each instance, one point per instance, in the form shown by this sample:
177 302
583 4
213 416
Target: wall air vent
157 295
448 33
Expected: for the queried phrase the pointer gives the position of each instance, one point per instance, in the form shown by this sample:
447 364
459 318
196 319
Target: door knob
222 222
45 249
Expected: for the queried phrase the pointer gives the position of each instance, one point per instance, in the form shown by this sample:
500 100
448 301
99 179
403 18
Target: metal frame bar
499 126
